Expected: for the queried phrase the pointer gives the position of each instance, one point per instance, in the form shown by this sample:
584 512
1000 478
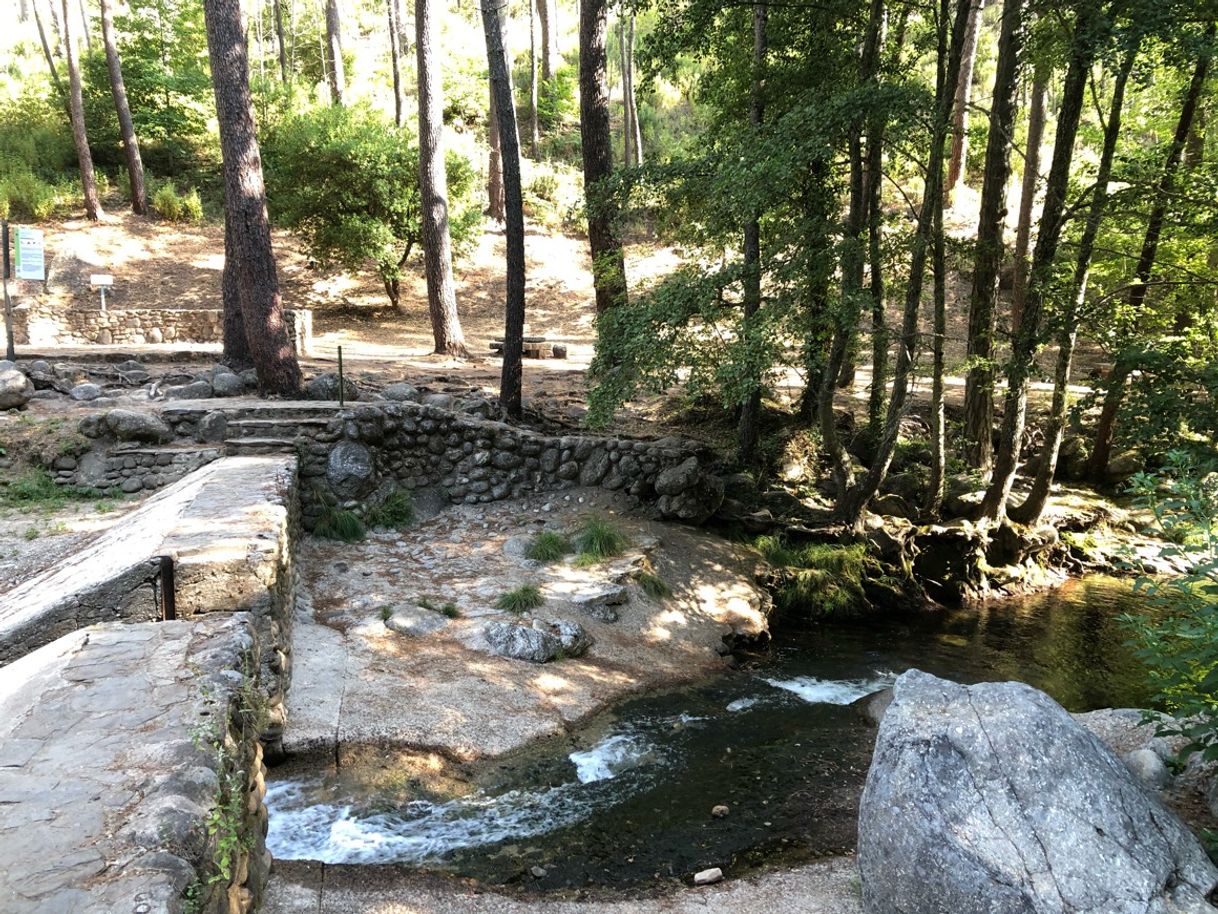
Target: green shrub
396 512
175 207
547 547
825 578
556 102
337 524
600 539
520 600
192 206
544 186
653 585
33 487
28 196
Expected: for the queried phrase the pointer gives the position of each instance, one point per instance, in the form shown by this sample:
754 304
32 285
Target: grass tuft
547 547
822 577
653 585
344 526
396 512
599 539
521 600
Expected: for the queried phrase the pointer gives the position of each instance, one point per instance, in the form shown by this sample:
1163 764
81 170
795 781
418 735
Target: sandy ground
35 538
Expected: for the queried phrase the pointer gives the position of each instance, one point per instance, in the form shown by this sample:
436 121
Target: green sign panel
29 258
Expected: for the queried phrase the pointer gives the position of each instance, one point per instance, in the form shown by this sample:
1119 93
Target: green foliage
448 609
175 207
599 539
396 512
24 195
824 578
547 547
35 488
556 99
653 585
341 525
348 183
1177 636
521 600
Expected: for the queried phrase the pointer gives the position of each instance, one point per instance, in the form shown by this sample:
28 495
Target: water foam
832 691
611 756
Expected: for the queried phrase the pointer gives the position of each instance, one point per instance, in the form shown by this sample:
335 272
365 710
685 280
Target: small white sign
101 280
30 260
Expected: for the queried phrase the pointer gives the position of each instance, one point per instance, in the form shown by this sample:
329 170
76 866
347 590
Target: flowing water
776 742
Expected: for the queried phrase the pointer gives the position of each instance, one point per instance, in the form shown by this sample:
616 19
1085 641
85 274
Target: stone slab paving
225 525
827 887
107 773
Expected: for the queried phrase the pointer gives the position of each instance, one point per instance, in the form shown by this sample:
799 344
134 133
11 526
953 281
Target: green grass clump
386 613
653 585
547 547
450 611
520 600
825 578
599 539
394 513
344 526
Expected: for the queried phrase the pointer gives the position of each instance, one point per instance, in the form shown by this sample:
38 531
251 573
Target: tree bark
50 58
395 61
498 63
596 143
236 346
334 41
131 145
627 131
961 102
853 505
433 186
987 259
84 25
1030 511
88 180
280 40
938 406
534 124
636 132
1027 197
496 202
549 38
247 229
750 410
1087 35
1118 375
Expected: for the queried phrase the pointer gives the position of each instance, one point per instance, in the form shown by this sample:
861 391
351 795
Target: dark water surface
775 741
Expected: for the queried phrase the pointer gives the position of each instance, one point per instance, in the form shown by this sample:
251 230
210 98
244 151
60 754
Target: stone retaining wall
43 325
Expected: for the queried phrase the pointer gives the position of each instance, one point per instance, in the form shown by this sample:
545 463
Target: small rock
1148 768
213 428
227 384
415 621
85 392
195 390
708 877
538 872
325 387
720 811
439 401
520 642
129 425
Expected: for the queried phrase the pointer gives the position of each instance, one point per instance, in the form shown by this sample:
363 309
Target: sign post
24 258
10 351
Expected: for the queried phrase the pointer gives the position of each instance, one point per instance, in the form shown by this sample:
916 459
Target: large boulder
540 642
325 387
129 425
15 389
688 493
992 798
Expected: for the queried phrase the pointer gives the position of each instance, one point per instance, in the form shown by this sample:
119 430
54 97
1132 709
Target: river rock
402 392
439 401
1148 768
572 638
15 389
325 387
676 479
350 470
213 427
992 798
696 504
195 390
521 642
85 392
598 599
129 425
227 384
1124 465
708 877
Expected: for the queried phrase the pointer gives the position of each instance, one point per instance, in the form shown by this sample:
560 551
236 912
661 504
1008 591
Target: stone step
292 410
234 447
273 428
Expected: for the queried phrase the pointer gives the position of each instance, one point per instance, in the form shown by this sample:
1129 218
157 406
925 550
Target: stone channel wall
44 325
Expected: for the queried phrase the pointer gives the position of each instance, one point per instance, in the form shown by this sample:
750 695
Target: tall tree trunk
247 229
1027 197
875 257
1118 375
23 11
853 505
987 259
534 122
50 58
596 145
496 202
433 185
395 60
499 65
636 132
549 38
750 410
851 270
88 181
236 345
280 40
84 25
961 102
938 406
334 41
1033 506
1087 35
131 145
627 131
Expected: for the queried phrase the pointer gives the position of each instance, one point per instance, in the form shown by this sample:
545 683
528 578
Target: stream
775 741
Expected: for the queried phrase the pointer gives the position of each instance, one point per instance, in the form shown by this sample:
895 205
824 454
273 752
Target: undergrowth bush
173 206
396 512
600 539
521 600
341 525
824 578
